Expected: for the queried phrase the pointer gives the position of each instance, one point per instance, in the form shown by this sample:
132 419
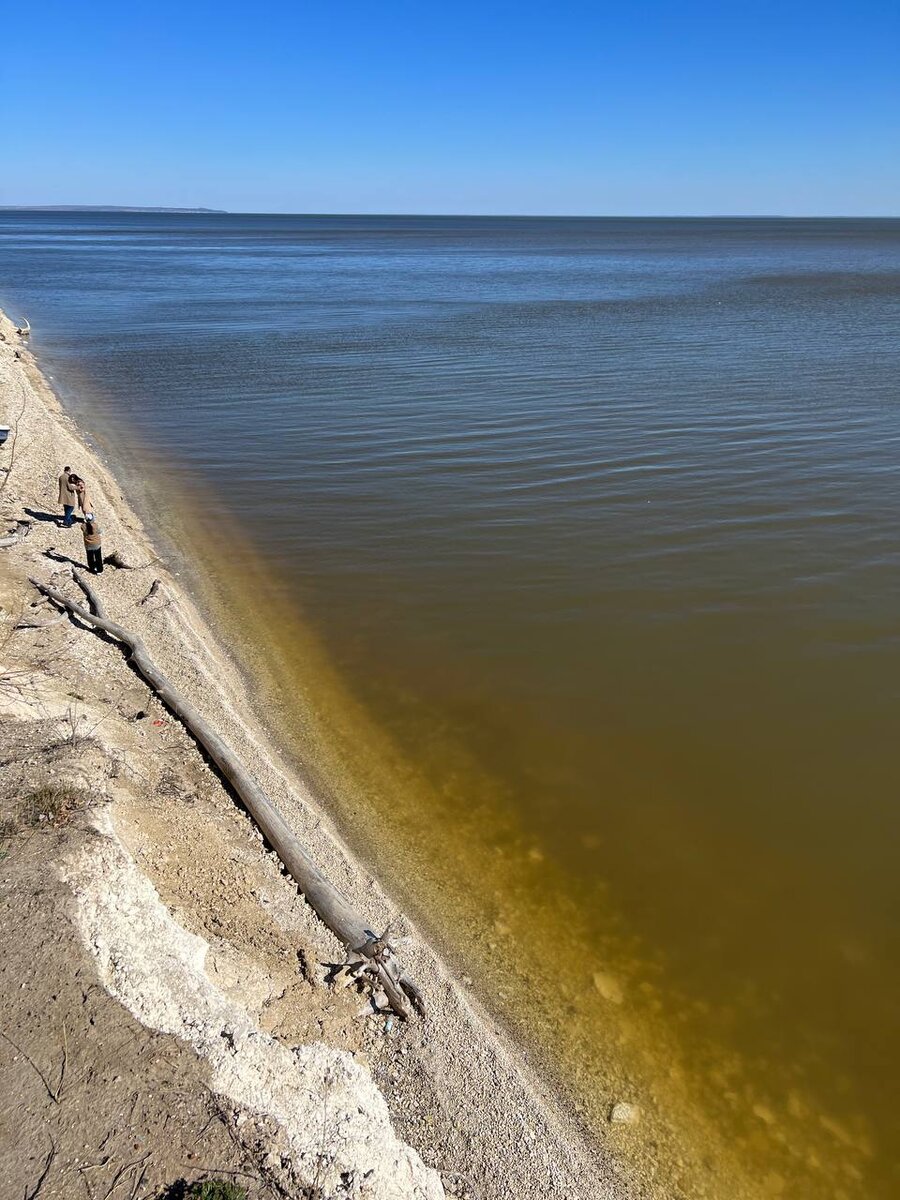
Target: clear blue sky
636 108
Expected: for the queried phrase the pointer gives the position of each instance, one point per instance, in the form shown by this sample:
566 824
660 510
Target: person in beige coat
81 494
67 497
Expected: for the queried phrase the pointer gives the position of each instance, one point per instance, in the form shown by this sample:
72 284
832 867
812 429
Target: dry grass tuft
215 1189
50 806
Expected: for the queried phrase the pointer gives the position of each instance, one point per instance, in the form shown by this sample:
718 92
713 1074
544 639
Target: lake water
588 529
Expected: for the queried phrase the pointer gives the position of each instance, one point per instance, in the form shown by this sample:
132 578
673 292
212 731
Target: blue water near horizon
608 503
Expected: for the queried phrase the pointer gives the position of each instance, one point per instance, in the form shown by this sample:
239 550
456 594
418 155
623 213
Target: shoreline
517 1141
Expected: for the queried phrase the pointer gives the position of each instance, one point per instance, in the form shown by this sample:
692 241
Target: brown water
584 538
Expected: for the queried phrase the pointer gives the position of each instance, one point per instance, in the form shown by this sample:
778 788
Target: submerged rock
623 1113
608 987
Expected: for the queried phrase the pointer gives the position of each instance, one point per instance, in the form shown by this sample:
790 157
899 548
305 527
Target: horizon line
198 210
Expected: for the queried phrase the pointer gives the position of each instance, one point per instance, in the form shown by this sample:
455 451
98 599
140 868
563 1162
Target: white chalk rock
157 969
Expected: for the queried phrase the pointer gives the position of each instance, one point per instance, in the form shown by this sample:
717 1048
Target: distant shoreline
471 216
101 208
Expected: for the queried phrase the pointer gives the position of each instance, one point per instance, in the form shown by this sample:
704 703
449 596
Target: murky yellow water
583 537
553 956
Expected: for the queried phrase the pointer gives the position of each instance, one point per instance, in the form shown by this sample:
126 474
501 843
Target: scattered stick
30 1195
57 620
369 953
139 1179
37 1070
95 1166
123 1171
62 1069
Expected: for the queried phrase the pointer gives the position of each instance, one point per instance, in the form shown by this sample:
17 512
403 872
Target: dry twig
65 1062
37 1070
30 1195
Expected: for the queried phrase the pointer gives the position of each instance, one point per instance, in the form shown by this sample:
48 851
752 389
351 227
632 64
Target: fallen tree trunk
372 954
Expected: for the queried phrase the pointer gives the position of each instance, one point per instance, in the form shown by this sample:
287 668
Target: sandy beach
160 889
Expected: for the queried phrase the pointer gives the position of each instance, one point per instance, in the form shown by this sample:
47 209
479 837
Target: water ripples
605 508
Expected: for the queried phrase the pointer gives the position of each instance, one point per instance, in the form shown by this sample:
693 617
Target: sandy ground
165 1008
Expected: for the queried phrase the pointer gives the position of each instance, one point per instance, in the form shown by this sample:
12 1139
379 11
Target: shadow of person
37 515
53 553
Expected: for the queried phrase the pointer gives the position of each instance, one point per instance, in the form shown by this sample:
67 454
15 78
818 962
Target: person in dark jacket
92 548
67 497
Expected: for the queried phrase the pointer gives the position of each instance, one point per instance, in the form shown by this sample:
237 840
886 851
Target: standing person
91 533
67 497
84 500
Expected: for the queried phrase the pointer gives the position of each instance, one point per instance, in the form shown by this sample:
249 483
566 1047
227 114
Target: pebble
623 1113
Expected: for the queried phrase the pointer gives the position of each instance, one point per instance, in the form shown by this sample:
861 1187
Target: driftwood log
21 531
370 955
116 560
